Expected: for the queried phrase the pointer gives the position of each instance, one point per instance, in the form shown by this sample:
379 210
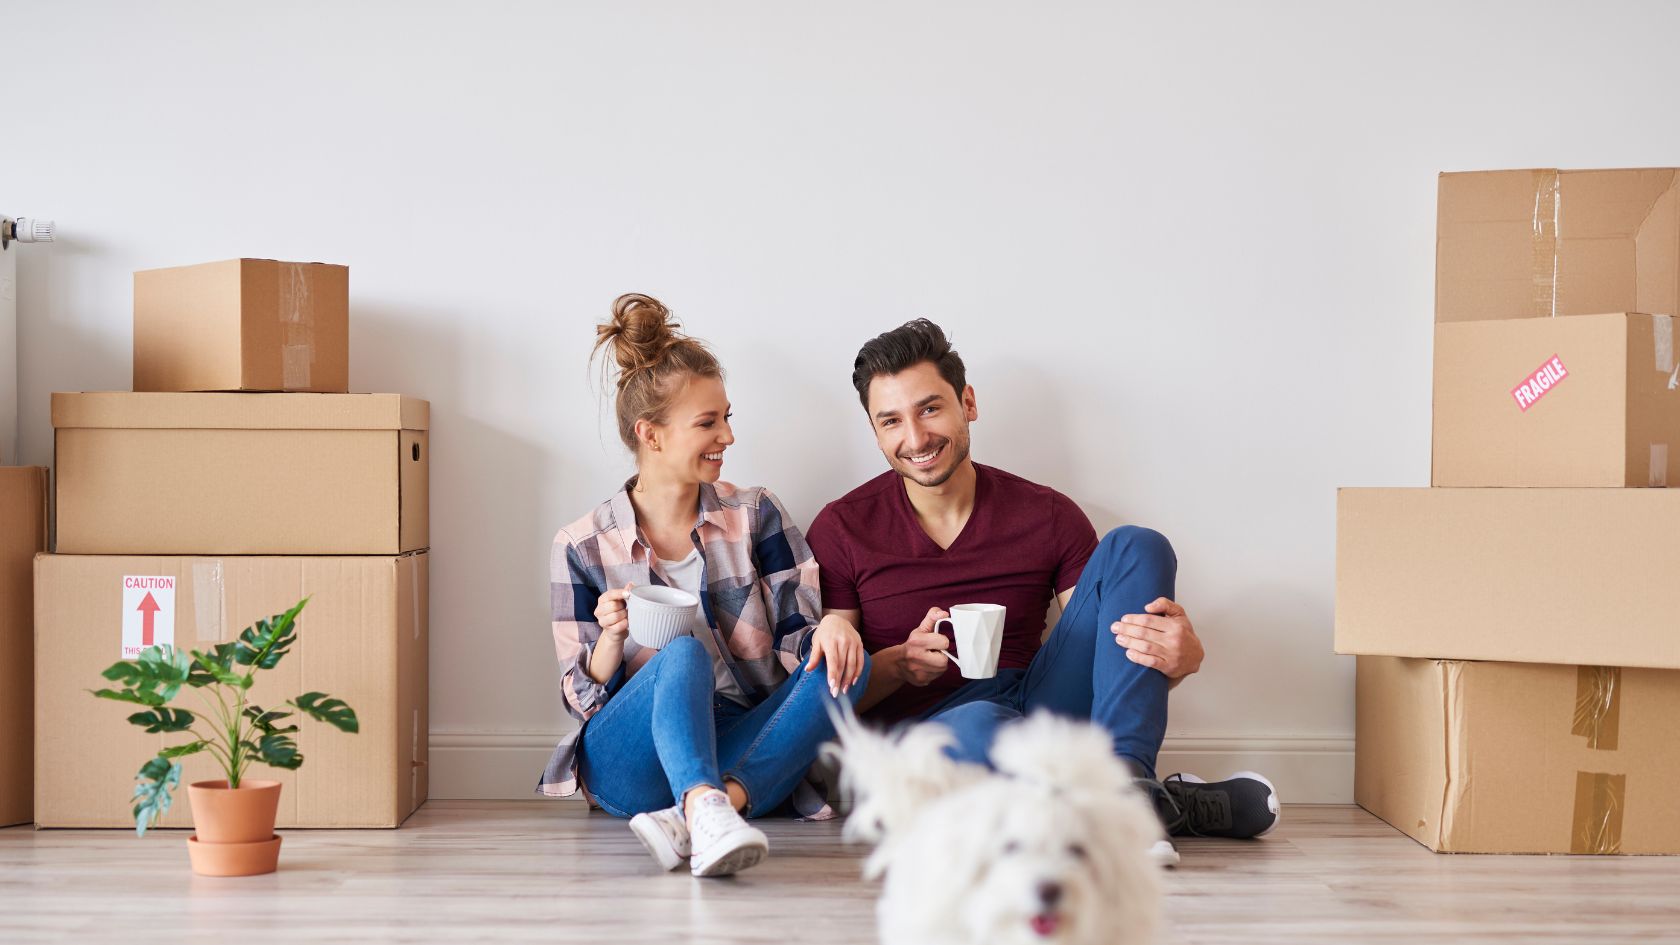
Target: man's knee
1137 540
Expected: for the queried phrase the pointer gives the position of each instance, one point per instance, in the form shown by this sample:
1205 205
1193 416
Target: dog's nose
1049 894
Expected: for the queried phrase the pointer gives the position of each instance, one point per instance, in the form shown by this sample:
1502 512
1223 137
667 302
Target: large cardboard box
243 324
1575 576
240 473
362 638
23 533
1520 758
1516 244
1580 401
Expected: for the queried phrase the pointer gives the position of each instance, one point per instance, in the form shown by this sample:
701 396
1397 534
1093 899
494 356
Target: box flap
239 411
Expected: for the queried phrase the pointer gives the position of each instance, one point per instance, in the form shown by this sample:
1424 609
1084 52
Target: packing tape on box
1659 466
1599 799
1599 796
1598 705
1548 201
209 600
1662 342
297 325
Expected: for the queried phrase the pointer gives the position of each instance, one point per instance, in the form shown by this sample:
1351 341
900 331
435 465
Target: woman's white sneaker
722 842
665 834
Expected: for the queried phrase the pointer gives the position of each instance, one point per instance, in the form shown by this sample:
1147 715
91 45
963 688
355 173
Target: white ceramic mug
660 614
976 638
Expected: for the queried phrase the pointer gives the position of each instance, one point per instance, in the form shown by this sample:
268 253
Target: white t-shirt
686 574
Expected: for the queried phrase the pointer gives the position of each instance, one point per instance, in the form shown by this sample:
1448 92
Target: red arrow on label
148 609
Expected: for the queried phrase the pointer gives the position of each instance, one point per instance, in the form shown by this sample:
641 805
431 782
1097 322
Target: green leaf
279 751
216 666
324 708
152 797
163 720
129 695
190 748
264 721
263 643
152 680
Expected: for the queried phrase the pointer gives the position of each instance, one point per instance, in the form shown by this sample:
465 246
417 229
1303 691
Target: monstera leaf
323 708
216 666
151 680
152 797
163 720
265 642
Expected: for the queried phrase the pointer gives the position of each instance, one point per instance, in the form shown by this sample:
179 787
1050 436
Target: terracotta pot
234 859
239 815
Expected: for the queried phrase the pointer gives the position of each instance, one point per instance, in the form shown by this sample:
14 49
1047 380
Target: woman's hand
837 642
612 615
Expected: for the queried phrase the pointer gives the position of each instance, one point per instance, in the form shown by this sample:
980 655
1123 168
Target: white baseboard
496 765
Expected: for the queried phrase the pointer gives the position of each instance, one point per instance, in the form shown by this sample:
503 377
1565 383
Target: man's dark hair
902 348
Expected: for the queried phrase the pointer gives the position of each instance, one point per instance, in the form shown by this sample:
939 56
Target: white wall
1186 251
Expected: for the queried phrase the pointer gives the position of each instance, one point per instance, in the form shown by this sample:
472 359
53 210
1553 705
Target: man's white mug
976 638
660 614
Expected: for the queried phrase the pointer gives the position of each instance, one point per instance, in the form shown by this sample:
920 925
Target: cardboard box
1575 576
1517 244
23 533
240 473
1520 758
362 638
243 324
1580 401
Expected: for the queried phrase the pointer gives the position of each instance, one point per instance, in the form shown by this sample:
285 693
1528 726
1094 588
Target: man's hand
1161 638
924 651
837 642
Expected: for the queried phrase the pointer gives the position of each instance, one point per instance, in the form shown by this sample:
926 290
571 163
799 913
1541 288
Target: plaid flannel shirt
762 599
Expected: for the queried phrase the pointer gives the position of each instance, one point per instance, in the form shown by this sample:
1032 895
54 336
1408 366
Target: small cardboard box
1517 244
243 324
23 533
1574 576
329 474
362 638
1579 401
1520 758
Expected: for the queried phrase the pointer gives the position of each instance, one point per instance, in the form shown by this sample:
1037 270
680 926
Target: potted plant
233 818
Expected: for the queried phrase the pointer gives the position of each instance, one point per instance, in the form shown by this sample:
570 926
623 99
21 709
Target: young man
939 529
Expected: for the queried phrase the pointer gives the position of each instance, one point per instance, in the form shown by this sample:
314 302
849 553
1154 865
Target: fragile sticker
1539 383
148 613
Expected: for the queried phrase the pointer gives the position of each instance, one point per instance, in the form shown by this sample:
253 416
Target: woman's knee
683 654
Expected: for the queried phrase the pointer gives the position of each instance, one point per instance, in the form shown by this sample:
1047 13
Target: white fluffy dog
1052 847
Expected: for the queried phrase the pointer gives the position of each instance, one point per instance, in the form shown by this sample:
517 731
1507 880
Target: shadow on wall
489 547
57 350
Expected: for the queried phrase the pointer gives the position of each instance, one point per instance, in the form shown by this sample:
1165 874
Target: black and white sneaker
1242 806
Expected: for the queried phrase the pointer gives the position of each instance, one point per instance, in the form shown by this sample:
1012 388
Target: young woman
728 719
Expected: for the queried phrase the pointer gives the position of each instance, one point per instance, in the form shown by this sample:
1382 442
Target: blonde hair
655 361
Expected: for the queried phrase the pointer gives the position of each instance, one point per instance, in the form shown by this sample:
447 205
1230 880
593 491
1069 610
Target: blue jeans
666 732
1081 672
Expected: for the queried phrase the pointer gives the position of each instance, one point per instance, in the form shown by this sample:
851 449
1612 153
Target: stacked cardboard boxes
219 493
1519 662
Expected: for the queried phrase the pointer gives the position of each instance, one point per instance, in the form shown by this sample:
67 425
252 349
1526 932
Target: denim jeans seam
764 733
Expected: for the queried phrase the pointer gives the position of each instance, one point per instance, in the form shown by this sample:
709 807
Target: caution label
148 613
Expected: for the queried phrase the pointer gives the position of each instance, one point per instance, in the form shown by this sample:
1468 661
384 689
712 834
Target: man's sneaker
723 842
1164 854
1243 805
665 834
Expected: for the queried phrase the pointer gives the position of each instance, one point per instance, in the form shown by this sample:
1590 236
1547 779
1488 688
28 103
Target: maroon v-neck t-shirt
1023 544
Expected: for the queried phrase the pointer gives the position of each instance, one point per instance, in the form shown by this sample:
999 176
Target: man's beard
959 452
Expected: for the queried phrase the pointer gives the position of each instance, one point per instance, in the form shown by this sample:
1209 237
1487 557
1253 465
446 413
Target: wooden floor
544 871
